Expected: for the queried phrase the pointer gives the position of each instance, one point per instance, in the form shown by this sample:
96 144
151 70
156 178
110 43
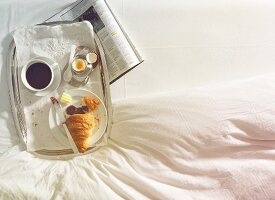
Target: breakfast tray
100 77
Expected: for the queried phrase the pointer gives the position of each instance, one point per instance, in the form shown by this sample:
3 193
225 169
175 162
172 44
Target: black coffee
39 75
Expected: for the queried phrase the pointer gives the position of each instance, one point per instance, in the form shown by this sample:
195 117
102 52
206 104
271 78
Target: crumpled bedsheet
214 142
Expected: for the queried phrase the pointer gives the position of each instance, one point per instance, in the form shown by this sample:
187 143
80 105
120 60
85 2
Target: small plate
100 114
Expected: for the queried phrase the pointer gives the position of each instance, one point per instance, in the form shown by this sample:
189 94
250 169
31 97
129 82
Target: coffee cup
37 75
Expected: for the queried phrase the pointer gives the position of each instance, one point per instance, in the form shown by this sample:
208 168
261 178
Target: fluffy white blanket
215 142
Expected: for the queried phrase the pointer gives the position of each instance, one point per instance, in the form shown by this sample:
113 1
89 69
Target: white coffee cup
37 75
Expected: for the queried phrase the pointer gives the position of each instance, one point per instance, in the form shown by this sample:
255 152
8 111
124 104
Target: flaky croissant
81 128
91 103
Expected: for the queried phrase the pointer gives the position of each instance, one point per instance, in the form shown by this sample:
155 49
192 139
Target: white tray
16 97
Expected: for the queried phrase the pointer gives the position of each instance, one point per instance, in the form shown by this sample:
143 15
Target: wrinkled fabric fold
215 142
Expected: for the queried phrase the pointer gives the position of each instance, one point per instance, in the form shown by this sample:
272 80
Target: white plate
100 113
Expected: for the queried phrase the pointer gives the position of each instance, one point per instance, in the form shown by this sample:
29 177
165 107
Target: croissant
81 128
91 103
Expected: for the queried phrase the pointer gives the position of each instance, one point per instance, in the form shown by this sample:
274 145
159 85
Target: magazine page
121 55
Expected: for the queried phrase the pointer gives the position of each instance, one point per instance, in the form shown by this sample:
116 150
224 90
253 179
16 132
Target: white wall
189 43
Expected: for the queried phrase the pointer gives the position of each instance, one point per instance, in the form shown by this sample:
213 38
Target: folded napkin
55 43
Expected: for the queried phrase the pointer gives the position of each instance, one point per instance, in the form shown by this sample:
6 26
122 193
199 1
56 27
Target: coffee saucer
56 73
55 84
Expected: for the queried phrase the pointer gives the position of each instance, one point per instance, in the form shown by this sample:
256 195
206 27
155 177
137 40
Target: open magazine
121 55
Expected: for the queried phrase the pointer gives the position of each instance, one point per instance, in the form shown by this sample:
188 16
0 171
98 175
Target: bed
190 131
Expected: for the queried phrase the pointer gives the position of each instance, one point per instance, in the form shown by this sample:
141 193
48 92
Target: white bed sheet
208 143
190 43
216 142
